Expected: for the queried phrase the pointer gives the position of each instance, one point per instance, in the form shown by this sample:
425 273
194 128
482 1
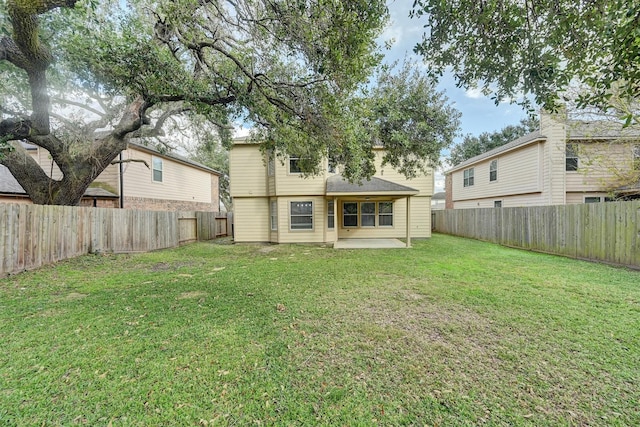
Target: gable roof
337 185
517 143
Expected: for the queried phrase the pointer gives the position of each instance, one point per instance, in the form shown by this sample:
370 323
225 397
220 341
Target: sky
479 113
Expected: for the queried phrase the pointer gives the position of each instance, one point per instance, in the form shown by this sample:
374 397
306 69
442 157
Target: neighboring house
273 202
144 179
578 162
438 201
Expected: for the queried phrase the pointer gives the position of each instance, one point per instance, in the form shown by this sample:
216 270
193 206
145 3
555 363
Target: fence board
608 232
33 235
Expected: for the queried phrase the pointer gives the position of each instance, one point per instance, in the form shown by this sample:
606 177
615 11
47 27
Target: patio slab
368 244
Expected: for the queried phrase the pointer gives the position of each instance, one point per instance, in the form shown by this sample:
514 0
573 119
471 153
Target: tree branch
115 162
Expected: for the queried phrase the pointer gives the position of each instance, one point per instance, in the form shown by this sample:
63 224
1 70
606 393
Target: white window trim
312 217
378 214
289 165
273 215
494 161
153 169
331 215
468 177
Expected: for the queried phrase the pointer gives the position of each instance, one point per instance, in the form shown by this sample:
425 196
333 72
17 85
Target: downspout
121 183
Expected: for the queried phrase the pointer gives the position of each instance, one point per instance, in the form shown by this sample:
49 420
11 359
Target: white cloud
474 93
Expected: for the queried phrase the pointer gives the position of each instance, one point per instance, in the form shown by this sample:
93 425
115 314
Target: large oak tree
534 50
286 67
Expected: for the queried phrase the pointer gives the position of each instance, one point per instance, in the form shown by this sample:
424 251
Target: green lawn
451 332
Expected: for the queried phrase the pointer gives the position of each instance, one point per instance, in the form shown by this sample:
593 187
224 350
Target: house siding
250 180
518 173
251 219
248 173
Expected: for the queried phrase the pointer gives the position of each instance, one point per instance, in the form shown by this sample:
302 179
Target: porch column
408 221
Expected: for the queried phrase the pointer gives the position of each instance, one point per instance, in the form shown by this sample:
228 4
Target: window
274 215
493 170
385 214
331 215
571 158
157 169
301 215
636 157
592 199
271 163
497 203
468 177
350 214
294 165
367 214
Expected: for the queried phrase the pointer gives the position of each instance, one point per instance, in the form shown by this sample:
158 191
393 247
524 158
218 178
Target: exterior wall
316 235
601 166
578 198
535 199
554 162
248 173
424 184
535 174
15 199
149 204
183 187
294 184
253 189
179 182
100 203
448 190
518 173
251 219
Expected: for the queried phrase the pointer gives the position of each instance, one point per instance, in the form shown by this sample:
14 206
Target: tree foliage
283 66
472 146
537 48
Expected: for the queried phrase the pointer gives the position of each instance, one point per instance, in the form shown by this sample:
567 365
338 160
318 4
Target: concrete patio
368 244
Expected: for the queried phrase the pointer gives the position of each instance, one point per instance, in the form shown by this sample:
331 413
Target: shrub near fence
608 232
33 235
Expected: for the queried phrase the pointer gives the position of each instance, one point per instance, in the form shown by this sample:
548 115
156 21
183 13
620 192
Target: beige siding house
273 202
145 179
562 163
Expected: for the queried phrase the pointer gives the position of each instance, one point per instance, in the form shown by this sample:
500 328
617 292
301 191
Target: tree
283 66
537 48
400 111
472 146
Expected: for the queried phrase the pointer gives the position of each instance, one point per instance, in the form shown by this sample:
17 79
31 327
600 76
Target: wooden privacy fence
33 235
608 232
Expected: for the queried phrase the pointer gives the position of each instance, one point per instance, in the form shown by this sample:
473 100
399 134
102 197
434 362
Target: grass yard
451 332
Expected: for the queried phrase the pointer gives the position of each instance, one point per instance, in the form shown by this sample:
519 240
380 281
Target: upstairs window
156 163
493 170
571 155
468 177
294 164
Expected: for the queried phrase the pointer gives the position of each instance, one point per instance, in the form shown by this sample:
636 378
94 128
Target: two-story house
141 178
273 202
561 163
